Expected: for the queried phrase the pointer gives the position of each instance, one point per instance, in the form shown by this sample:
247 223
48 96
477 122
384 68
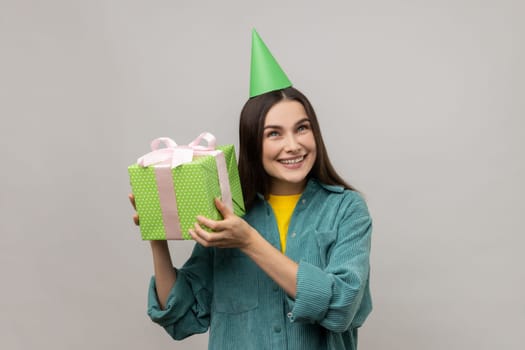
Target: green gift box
173 185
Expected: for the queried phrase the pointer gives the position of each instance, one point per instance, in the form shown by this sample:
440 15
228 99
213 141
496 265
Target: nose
292 145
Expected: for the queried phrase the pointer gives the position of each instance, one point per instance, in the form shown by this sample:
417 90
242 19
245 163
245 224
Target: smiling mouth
292 161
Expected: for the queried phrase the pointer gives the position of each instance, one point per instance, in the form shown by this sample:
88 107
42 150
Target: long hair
254 178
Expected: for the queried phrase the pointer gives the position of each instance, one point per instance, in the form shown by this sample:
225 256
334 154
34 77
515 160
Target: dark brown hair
253 176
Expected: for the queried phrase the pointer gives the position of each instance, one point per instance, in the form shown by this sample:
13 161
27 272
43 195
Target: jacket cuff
177 304
313 294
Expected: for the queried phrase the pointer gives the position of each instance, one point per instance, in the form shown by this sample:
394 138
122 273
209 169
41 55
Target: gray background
421 104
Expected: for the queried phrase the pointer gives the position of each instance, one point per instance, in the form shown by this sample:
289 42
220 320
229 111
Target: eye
272 133
303 127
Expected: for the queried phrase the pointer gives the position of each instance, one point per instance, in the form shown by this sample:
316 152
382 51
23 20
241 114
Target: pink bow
174 155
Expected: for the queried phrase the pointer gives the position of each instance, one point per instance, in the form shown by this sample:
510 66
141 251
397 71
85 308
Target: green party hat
265 73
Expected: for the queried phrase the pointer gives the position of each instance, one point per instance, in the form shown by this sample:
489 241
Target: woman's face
289 149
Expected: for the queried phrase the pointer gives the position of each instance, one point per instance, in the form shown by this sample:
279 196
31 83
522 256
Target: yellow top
283 207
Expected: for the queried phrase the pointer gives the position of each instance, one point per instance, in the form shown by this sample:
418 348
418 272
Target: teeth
292 161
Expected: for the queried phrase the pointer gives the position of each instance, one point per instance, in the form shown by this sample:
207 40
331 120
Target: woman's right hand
135 216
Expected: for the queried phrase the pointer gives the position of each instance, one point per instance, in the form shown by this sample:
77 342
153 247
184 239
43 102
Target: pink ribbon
172 156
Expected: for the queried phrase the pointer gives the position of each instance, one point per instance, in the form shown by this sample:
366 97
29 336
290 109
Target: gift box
175 184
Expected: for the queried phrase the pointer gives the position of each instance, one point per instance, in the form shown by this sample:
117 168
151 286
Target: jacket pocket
236 287
325 241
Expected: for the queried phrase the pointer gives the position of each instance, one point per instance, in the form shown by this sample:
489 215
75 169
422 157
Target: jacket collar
312 186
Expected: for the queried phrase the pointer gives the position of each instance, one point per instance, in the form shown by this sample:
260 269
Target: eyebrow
280 127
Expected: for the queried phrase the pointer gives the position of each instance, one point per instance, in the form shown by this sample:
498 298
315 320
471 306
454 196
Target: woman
293 273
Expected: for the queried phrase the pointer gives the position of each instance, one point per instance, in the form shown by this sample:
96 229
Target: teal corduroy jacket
226 292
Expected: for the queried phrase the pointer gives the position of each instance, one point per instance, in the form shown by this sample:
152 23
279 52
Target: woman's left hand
234 232
231 232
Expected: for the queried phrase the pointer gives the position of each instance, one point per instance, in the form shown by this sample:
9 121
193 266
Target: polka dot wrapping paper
195 184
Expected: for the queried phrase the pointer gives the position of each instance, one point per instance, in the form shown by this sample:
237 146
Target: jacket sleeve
333 296
187 309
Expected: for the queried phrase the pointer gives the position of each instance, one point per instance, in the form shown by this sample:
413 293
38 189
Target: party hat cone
265 73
